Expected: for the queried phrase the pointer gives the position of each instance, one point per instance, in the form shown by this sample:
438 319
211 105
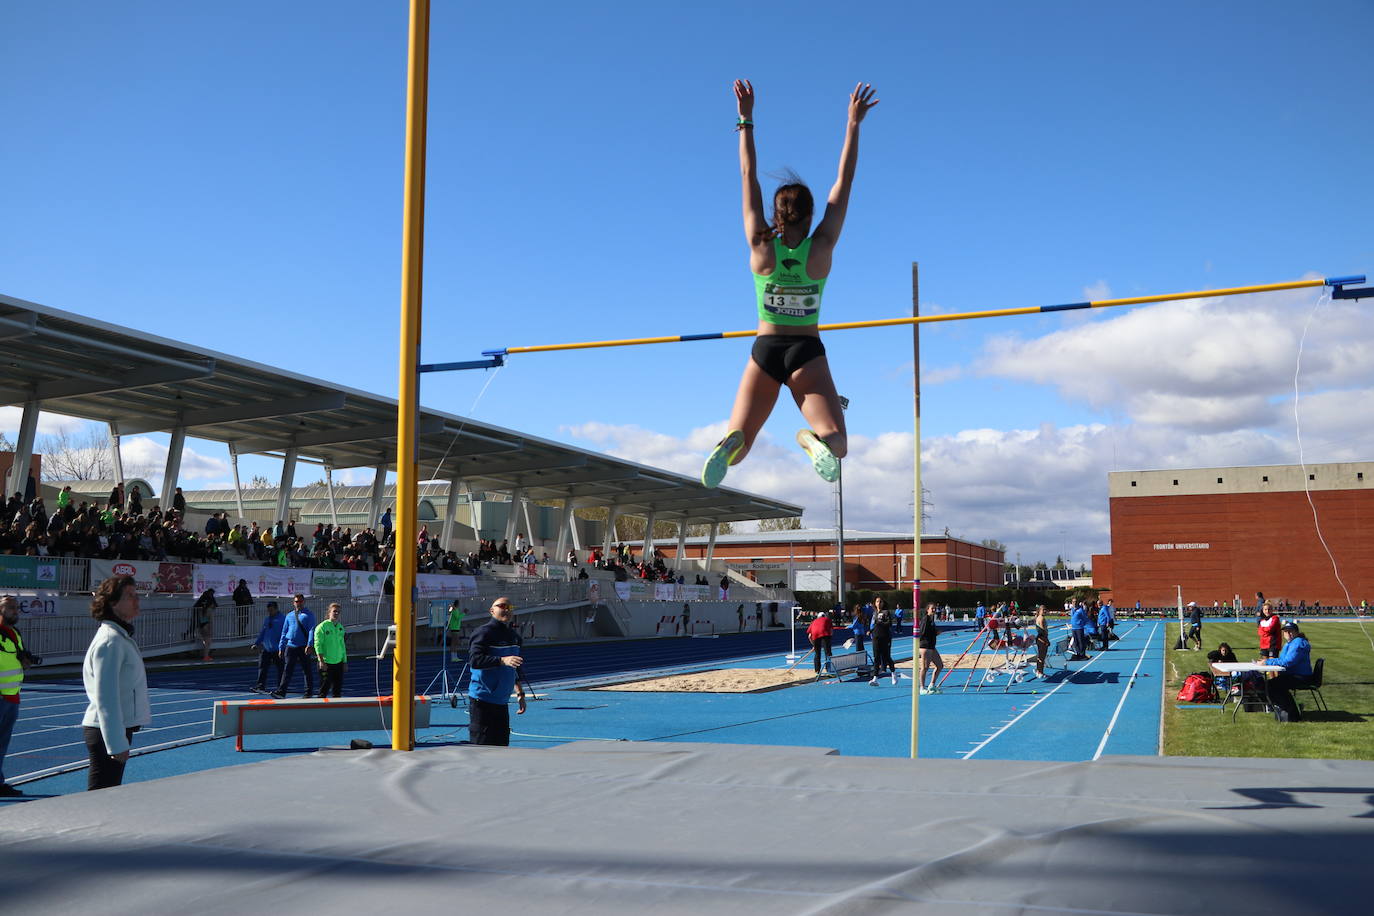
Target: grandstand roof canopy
81 367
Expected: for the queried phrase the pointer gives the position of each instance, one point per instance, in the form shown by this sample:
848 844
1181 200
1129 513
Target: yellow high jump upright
407 471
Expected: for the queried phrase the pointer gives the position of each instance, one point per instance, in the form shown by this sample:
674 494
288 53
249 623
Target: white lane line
1125 692
160 704
142 731
1064 683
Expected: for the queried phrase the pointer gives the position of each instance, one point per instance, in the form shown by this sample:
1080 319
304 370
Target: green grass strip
1345 732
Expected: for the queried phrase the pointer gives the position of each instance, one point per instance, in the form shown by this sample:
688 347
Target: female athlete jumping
790 265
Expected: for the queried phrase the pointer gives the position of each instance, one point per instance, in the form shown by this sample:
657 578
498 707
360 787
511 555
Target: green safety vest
11 671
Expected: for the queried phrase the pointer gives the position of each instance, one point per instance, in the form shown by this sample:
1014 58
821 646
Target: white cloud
143 456
49 424
1041 491
1097 291
1204 364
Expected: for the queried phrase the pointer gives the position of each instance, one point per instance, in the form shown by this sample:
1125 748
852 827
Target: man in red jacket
819 633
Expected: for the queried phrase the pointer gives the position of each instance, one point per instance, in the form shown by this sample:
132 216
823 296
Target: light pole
839 521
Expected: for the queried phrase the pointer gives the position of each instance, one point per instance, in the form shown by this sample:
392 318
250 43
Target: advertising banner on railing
365 584
593 592
151 576
445 586
27 572
273 581
329 582
39 604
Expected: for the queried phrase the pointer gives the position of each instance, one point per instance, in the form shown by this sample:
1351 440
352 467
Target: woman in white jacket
115 683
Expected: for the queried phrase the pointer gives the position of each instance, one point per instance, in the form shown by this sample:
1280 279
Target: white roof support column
173 469
329 487
238 488
572 530
115 458
374 517
517 501
612 513
647 551
288 478
23 448
681 544
711 544
451 512
564 520
529 525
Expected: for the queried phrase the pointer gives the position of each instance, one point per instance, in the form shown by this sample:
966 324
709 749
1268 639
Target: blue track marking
1061 717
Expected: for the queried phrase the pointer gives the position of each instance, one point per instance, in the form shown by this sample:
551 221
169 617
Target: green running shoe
718 462
822 459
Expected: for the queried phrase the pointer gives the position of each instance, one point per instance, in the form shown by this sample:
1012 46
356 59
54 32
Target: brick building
1223 532
876 560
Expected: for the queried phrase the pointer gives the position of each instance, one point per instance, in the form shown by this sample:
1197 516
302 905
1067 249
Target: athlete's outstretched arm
828 232
755 222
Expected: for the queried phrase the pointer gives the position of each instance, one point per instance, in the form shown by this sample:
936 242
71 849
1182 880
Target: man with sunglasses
494 656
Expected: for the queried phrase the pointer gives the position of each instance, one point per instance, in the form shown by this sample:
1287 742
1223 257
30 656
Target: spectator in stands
331 652
494 654
1296 660
203 621
268 645
179 503
384 523
820 632
297 642
115 682
725 587
135 501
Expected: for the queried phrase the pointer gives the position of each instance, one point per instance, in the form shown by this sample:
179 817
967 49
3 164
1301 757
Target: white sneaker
894 677
873 682
925 692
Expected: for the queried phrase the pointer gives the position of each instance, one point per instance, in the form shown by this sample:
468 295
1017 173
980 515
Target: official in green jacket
330 650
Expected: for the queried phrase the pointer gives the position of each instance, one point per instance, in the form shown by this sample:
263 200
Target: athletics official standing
13 660
494 656
115 683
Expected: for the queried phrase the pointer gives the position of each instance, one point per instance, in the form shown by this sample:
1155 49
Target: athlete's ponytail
792 204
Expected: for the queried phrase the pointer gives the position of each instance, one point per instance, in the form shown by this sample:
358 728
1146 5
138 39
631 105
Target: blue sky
231 175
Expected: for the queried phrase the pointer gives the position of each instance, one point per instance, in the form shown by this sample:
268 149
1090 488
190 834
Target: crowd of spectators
118 530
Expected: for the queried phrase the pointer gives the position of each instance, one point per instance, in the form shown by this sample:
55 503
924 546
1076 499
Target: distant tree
5 444
1059 563
259 482
994 544
791 523
81 455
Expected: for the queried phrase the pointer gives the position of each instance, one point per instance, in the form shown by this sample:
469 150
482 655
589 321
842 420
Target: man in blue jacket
269 646
1296 659
297 641
1078 624
1104 625
494 656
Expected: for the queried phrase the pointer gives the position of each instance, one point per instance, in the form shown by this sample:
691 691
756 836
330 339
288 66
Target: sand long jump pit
727 680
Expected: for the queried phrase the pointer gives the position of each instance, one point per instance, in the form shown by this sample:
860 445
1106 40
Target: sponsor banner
271 581
366 584
150 576
622 591
593 591
27 572
666 591
329 582
39 604
440 585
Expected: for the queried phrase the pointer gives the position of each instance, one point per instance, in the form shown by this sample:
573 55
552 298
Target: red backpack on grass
1198 688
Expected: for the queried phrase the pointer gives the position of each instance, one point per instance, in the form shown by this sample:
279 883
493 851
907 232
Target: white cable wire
1297 431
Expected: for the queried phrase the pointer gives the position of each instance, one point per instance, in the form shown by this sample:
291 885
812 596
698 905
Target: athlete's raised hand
744 96
860 100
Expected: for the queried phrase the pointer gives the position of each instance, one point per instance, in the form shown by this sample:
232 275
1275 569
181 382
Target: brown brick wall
1256 542
874 564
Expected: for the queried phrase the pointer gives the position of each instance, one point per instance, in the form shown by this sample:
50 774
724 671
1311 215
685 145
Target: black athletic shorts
779 355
